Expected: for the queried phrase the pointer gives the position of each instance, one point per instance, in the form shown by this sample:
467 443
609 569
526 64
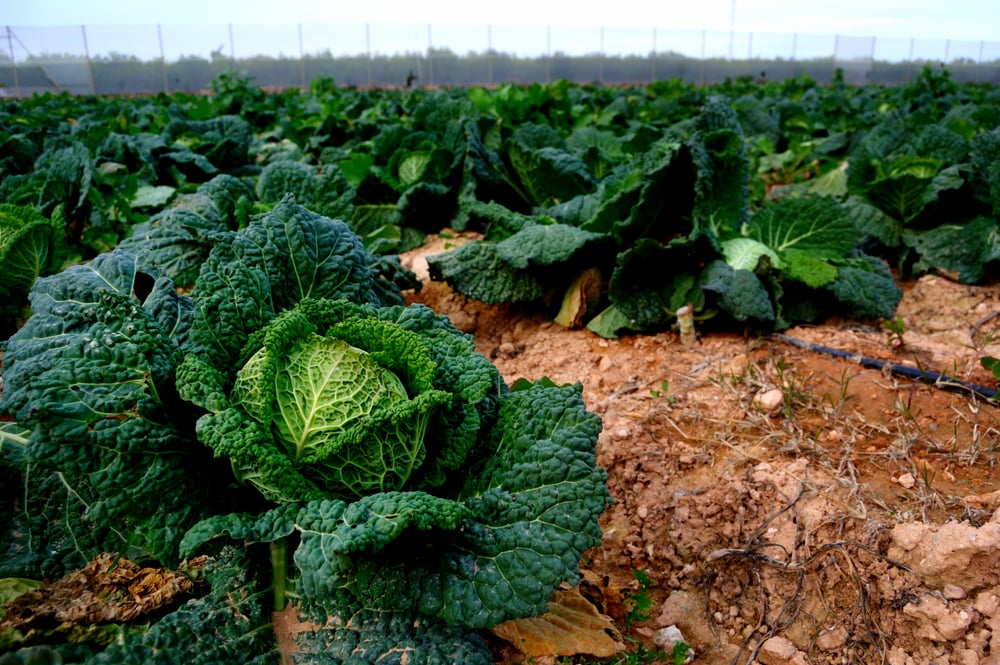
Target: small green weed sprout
894 329
662 392
640 602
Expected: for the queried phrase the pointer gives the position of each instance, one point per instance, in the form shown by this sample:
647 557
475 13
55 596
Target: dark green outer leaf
722 168
540 245
480 270
867 288
521 266
985 172
650 282
550 175
306 255
649 197
91 375
871 221
265 528
391 638
232 300
177 242
966 249
740 293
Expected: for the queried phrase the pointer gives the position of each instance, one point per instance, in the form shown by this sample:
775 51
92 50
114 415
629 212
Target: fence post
600 62
163 59
701 63
548 54
836 50
489 51
13 62
86 54
909 58
232 49
732 29
795 48
871 59
368 50
652 64
979 61
430 57
302 61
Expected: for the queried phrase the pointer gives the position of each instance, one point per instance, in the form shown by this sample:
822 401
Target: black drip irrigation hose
937 379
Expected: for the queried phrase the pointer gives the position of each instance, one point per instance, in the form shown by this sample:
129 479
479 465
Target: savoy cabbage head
341 400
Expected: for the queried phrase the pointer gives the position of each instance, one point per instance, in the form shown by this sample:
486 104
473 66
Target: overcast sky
259 22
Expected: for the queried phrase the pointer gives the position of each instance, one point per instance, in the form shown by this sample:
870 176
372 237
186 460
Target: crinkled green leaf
740 293
547 172
30 246
459 369
744 253
539 245
866 287
721 165
803 267
480 270
650 196
371 637
306 255
817 225
984 158
266 527
232 299
91 375
870 221
177 241
966 249
519 267
323 190
903 187
650 282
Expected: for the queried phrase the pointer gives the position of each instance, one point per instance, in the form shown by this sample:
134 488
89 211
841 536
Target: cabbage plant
291 406
421 492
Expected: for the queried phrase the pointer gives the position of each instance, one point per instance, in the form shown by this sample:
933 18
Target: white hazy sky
972 20
460 24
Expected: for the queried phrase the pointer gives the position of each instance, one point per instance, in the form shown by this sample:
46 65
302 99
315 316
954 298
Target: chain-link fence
160 58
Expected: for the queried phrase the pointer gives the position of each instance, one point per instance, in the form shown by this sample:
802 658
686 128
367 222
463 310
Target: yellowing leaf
571 626
581 296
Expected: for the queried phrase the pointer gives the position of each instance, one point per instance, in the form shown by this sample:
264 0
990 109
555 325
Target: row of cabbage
771 204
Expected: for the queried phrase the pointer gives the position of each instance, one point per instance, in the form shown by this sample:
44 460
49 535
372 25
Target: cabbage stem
279 572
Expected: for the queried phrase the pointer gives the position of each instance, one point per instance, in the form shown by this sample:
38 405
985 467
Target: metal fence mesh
146 59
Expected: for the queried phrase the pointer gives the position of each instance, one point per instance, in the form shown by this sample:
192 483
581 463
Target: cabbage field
345 375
